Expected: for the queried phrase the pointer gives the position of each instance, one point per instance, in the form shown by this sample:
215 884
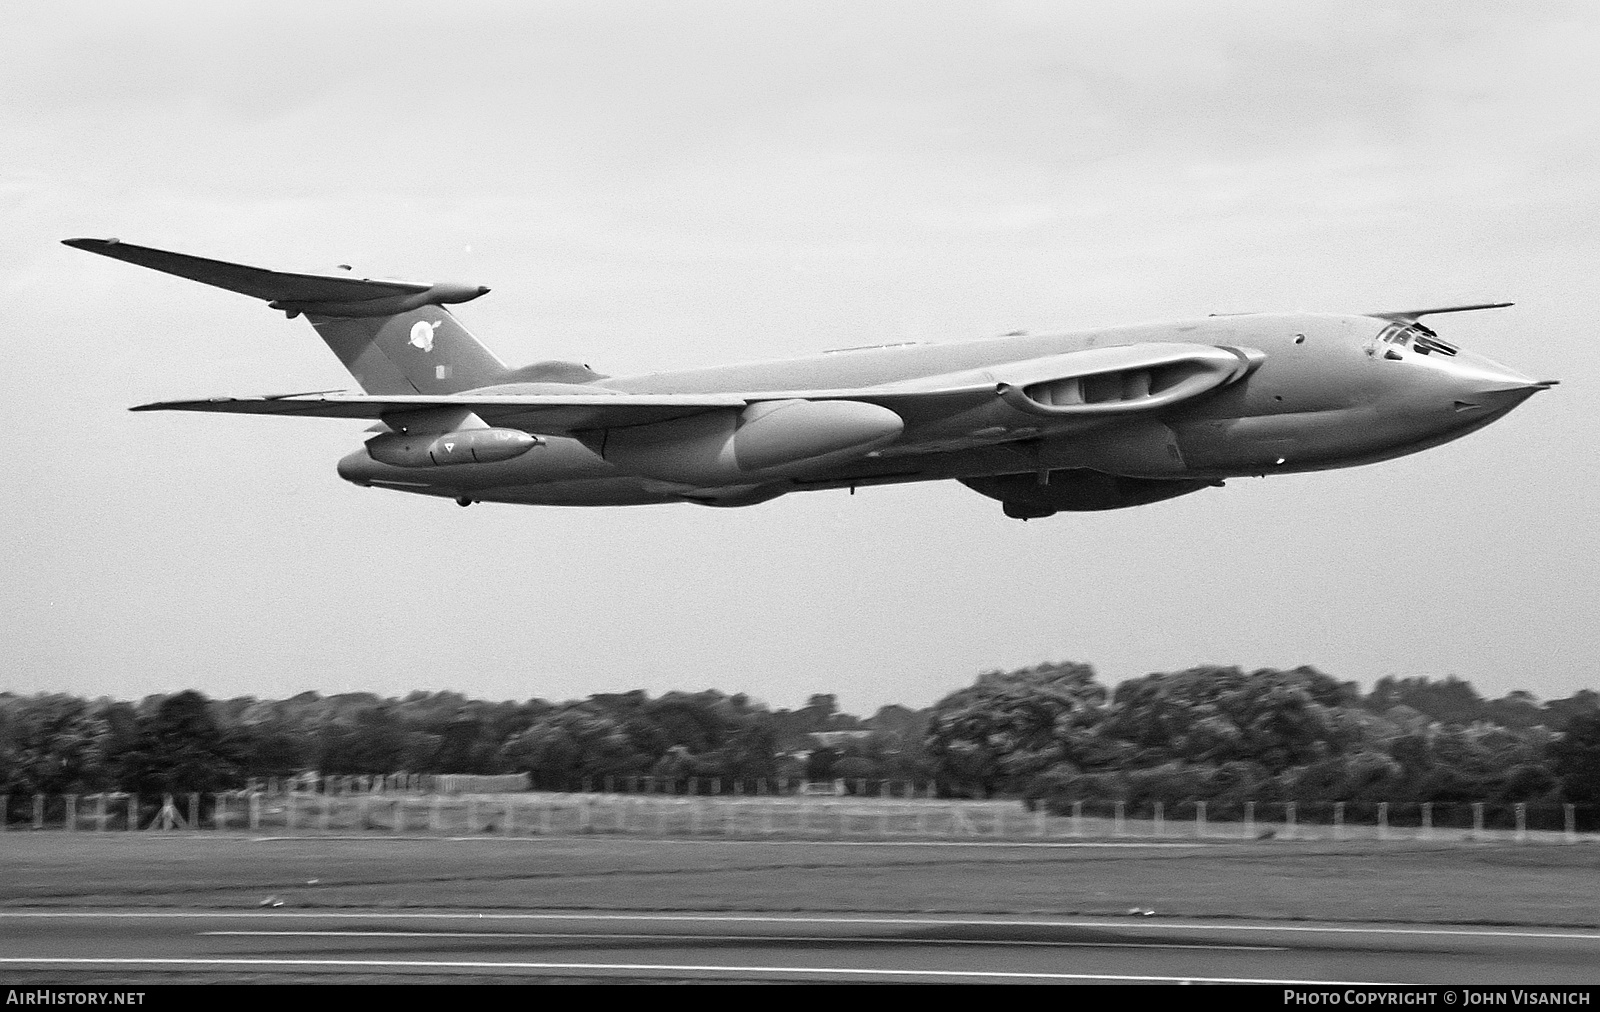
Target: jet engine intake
1136 387
468 446
765 440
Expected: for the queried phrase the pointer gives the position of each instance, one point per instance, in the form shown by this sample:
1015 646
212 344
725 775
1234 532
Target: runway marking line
853 939
1144 924
668 968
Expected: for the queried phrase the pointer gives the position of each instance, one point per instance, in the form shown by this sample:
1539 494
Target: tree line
1050 732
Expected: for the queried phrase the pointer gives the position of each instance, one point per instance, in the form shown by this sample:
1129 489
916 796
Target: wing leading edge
1072 387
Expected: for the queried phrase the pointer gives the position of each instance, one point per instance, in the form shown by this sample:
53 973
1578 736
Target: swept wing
1053 391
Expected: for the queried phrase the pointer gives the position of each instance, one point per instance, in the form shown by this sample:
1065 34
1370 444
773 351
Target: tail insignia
422 335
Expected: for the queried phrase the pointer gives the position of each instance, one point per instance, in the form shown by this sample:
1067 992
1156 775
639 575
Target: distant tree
1560 712
852 768
749 753
1008 727
179 748
820 763
1575 759
1277 719
1517 709
51 743
1450 701
370 740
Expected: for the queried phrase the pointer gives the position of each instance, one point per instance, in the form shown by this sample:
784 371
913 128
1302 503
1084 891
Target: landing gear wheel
462 500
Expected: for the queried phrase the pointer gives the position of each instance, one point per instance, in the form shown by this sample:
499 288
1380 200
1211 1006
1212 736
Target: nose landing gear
462 500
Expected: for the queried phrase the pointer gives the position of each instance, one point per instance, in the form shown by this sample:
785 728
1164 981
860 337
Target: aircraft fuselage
1326 391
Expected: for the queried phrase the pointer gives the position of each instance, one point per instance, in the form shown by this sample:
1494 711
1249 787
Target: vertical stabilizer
425 351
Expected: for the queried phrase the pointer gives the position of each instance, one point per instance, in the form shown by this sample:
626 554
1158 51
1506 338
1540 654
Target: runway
103 946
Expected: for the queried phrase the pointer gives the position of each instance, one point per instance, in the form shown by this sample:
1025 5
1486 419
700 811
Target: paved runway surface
104 946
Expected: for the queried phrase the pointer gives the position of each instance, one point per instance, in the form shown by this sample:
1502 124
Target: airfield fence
791 816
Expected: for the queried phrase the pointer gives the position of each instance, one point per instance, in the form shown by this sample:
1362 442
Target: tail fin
425 350
395 337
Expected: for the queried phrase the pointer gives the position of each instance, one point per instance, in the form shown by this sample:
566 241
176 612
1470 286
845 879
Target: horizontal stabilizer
317 294
252 281
1412 315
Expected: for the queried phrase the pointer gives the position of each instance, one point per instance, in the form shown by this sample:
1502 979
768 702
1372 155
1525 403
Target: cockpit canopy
1415 336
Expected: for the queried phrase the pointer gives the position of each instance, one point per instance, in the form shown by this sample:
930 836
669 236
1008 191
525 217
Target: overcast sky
652 186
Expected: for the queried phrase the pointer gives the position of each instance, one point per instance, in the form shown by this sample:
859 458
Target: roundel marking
422 334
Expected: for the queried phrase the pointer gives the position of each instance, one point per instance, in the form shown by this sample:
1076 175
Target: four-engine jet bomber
1093 420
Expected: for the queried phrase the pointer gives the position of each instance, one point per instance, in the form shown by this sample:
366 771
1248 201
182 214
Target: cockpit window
1416 337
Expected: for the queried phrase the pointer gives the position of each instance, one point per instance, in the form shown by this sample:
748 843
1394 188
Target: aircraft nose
1482 385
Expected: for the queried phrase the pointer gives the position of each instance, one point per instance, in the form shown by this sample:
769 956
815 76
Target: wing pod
765 440
469 446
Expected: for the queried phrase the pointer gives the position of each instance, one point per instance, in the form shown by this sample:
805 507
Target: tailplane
395 337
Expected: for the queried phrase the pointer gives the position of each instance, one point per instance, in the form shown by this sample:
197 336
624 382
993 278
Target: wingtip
90 244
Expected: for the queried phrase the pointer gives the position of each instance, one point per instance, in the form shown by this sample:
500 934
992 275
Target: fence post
1477 820
399 813
1160 816
1383 820
1249 820
511 807
472 814
544 818
219 812
1289 820
72 813
1338 820
1117 814
133 812
1077 818
289 812
38 811
1572 823
5 812
1038 820
325 817
194 811
1200 818
433 812
1427 820
255 811
99 811
1522 822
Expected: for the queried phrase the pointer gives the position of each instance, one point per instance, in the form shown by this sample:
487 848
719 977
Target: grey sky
649 186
